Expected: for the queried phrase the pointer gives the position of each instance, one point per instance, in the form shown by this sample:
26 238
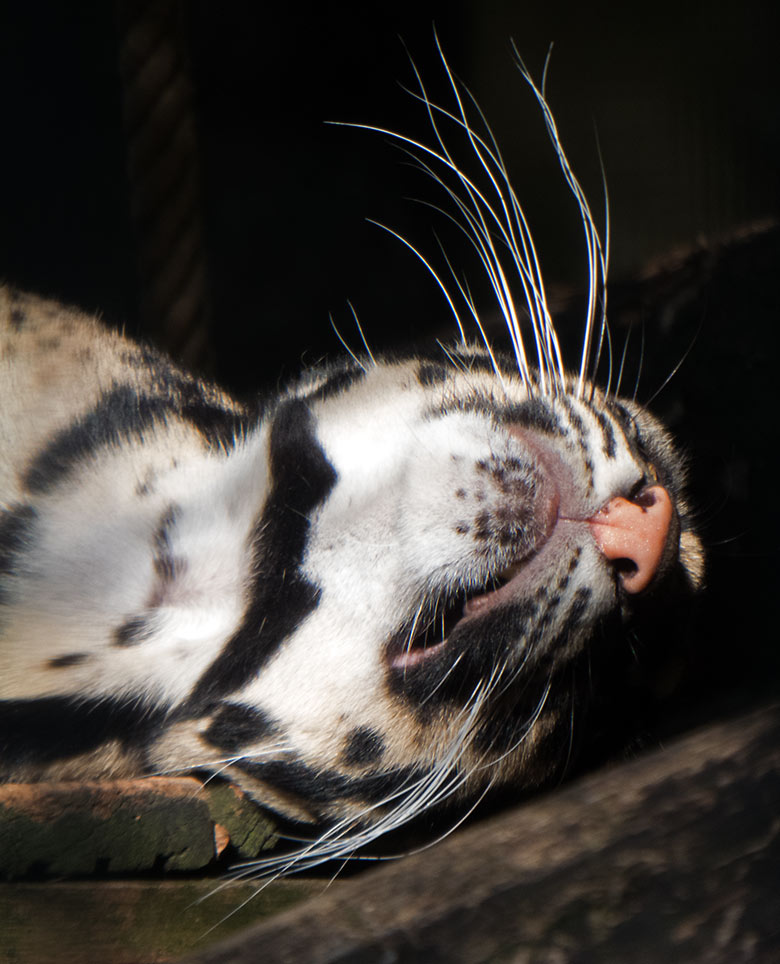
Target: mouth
428 638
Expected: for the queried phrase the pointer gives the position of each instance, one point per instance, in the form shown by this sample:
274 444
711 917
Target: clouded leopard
388 587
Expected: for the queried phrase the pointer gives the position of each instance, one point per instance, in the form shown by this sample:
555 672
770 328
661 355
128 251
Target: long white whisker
432 271
361 333
597 254
343 341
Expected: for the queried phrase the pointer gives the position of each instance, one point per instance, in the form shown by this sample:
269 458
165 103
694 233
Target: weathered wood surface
130 921
674 857
125 826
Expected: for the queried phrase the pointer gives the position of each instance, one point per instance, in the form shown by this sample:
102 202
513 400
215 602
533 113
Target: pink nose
635 531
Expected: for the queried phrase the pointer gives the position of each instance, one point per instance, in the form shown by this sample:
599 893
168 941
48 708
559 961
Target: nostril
625 567
632 534
646 496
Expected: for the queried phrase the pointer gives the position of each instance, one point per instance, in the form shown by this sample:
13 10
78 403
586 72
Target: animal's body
383 588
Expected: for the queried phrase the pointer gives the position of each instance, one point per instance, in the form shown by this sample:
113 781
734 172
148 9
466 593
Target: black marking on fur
472 651
18 317
577 610
69 659
219 423
124 413
235 726
132 632
281 597
121 414
53 728
16 526
507 726
610 445
337 383
17 311
166 565
432 373
534 414
484 363
575 419
363 745
330 786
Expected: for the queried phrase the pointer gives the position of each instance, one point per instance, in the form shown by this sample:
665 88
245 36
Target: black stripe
121 414
69 659
281 597
329 786
236 726
167 566
338 380
432 373
610 444
196 401
54 728
124 413
16 526
535 414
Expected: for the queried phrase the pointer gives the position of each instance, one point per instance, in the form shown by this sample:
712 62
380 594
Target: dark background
684 96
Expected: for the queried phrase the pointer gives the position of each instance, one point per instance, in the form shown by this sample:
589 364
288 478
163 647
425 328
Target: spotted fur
384 589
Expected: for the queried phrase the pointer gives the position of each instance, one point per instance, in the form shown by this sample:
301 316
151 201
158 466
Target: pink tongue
628 530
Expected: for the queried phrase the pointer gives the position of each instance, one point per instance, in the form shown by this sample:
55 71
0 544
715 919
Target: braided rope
163 173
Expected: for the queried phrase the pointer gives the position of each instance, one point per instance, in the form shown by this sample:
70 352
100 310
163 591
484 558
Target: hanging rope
163 172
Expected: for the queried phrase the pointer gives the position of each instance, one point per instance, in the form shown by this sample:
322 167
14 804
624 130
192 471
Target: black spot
16 527
18 317
281 597
55 728
236 726
69 659
432 373
18 314
132 632
329 786
363 746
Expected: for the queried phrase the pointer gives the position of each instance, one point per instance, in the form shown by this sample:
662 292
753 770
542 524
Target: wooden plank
130 922
124 826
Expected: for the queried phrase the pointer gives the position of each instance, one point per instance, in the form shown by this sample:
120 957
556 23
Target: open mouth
429 635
